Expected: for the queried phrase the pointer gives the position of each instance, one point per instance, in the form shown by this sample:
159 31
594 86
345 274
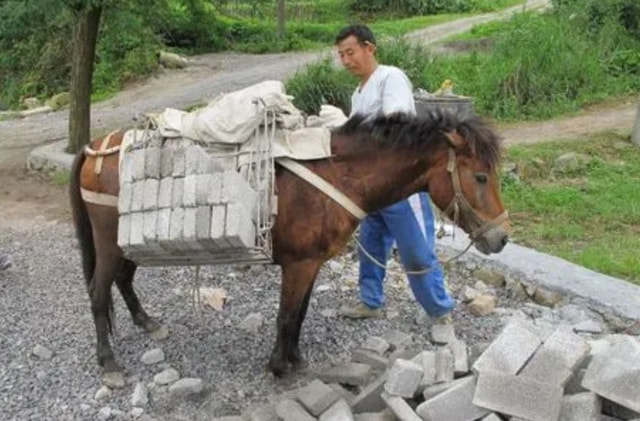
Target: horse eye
481 178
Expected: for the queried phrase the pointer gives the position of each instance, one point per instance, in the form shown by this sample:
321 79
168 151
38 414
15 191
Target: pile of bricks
523 375
178 207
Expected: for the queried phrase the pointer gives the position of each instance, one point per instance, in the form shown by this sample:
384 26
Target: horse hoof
159 333
113 379
301 366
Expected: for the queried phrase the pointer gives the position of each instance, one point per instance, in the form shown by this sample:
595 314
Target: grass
61 178
589 213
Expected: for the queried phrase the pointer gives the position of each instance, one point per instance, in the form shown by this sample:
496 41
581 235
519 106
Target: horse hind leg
124 282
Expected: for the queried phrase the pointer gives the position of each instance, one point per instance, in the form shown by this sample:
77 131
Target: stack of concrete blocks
522 376
178 207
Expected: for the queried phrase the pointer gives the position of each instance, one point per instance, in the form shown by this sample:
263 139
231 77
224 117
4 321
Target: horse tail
81 221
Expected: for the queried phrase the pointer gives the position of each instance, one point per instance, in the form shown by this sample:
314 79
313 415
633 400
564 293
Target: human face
357 58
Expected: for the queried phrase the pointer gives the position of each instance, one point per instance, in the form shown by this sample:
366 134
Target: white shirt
387 91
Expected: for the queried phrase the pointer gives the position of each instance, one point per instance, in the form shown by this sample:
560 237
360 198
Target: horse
375 162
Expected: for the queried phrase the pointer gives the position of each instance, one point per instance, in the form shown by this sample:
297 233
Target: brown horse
375 163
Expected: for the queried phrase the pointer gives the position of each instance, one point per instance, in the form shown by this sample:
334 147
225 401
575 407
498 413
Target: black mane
403 130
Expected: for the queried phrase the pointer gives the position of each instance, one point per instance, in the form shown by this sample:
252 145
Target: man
386 90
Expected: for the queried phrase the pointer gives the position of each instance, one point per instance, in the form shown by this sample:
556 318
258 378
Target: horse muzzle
492 241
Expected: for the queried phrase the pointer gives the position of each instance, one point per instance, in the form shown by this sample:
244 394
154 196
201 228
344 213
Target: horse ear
456 141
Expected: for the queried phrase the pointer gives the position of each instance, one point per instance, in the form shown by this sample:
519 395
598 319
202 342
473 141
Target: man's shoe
445 319
5 261
361 311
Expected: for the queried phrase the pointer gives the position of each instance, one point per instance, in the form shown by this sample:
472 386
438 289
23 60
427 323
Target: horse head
465 185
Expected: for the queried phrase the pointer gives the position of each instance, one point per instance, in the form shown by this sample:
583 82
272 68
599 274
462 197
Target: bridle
459 203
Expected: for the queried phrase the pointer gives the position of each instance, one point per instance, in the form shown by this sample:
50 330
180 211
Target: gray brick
124 231
203 185
354 374
376 344
137 164
176 227
136 239
397 339
518 396
491 417
575 382
165 192
218 218
163 226
203 228
179 162
460 357
339 411
124 198
189 234
177 193
189 188
453 404
265 412
443 333
215 190
476 350
618 411
152 162
126 168
290 410
368 357
149 229
198 161
137 197
369 400
444 365
400 408
343 393
235 189
581 407
150 200
556 359
427 359
386 415
166 160
510 351
239 230
435 389
316 397
403 378
614 379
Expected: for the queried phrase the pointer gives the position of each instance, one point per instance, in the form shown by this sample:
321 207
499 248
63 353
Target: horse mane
403 130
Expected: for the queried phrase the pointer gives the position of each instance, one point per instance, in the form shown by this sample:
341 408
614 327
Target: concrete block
397 339
266 412
385 415
614 379
137 197
354 374
163 226
189 233
176 227
235 189
198 161
124 198
150 199
203 184
136 238
218 218
152 162
149 229
581 407
177 193
403 378
618 411
575 382
400 408
510 351
339 411
165 192
369 358
126 168
518 396
316 397
443 334
137 163
369 400
290 410
215 189
189 188
444 365
435 389
124 231
427 359
166 161
405 354
239 229
179 162
376 344
557 358
491 417
203 228
454 404
343 393
476 350
460 357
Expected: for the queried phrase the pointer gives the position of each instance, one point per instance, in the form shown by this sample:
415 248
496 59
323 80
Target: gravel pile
48 368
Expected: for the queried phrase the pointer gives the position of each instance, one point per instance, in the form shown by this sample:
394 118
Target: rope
195 296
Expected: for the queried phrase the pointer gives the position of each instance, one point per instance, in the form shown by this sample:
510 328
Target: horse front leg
124 281
297 283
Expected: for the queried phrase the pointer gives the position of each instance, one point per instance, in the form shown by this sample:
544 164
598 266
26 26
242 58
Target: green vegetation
586 210
537 65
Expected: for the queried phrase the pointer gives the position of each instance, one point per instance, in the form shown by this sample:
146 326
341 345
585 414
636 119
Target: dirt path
28 200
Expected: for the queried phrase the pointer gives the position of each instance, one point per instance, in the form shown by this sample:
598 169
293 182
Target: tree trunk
635 135
84 51
281 19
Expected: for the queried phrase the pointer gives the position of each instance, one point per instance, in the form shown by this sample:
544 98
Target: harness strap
102 152
99 198
322 185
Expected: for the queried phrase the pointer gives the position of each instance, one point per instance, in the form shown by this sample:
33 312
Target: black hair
362 33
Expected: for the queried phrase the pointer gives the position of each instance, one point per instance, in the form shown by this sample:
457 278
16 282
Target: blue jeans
410 222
